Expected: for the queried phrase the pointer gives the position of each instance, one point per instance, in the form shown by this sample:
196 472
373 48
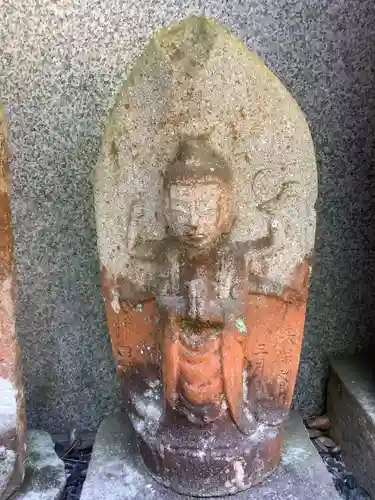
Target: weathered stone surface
45 475
12 410
351 409
62 63
116 473
204 83
205 205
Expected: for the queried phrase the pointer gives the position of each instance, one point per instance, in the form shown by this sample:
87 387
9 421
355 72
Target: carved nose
193 220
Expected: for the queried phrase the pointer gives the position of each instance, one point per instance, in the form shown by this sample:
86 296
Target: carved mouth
194 236
195 239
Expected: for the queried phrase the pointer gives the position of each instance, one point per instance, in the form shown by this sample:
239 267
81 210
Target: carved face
194 212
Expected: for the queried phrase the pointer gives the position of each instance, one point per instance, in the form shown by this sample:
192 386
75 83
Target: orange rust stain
131 328
197 372
9 352
270 349
233 364
273 346
10 362
274 338
171 370
6 237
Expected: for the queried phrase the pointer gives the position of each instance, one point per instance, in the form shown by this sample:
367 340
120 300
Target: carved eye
182 214
210 211
179 207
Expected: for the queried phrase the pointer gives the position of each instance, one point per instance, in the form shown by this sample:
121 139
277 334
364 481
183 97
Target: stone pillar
12 408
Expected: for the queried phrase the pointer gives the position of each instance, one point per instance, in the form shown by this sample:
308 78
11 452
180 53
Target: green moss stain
240 324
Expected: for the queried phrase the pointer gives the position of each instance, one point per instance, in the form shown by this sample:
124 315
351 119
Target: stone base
117 473
45 476
12 430
351 409
202 462
8 460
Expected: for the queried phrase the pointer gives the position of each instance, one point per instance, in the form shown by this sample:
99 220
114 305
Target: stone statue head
198 195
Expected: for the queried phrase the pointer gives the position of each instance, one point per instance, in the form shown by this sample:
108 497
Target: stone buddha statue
203 291
205 216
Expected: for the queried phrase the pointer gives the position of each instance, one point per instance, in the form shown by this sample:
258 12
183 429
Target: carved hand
200 306
133 227
197 296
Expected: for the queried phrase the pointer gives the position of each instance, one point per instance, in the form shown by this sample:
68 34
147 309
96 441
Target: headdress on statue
197 161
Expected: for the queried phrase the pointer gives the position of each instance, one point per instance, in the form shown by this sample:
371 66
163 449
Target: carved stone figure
205 191
12 409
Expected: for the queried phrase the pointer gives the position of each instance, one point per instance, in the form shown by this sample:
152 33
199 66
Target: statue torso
217 280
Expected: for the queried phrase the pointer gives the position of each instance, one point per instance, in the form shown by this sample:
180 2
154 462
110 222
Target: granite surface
116 472
61 64
45 476
351 408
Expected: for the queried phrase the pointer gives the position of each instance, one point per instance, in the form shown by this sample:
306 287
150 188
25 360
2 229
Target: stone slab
62 63
351 409
116 473
45 475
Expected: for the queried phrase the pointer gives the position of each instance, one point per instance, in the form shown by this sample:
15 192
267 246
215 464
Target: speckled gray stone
223 76
45 475
116 472
61 64
351 410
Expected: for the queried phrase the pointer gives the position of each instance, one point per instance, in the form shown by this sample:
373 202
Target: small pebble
326 445
359 494
350 481
76 464
314 433
321 423
344 481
